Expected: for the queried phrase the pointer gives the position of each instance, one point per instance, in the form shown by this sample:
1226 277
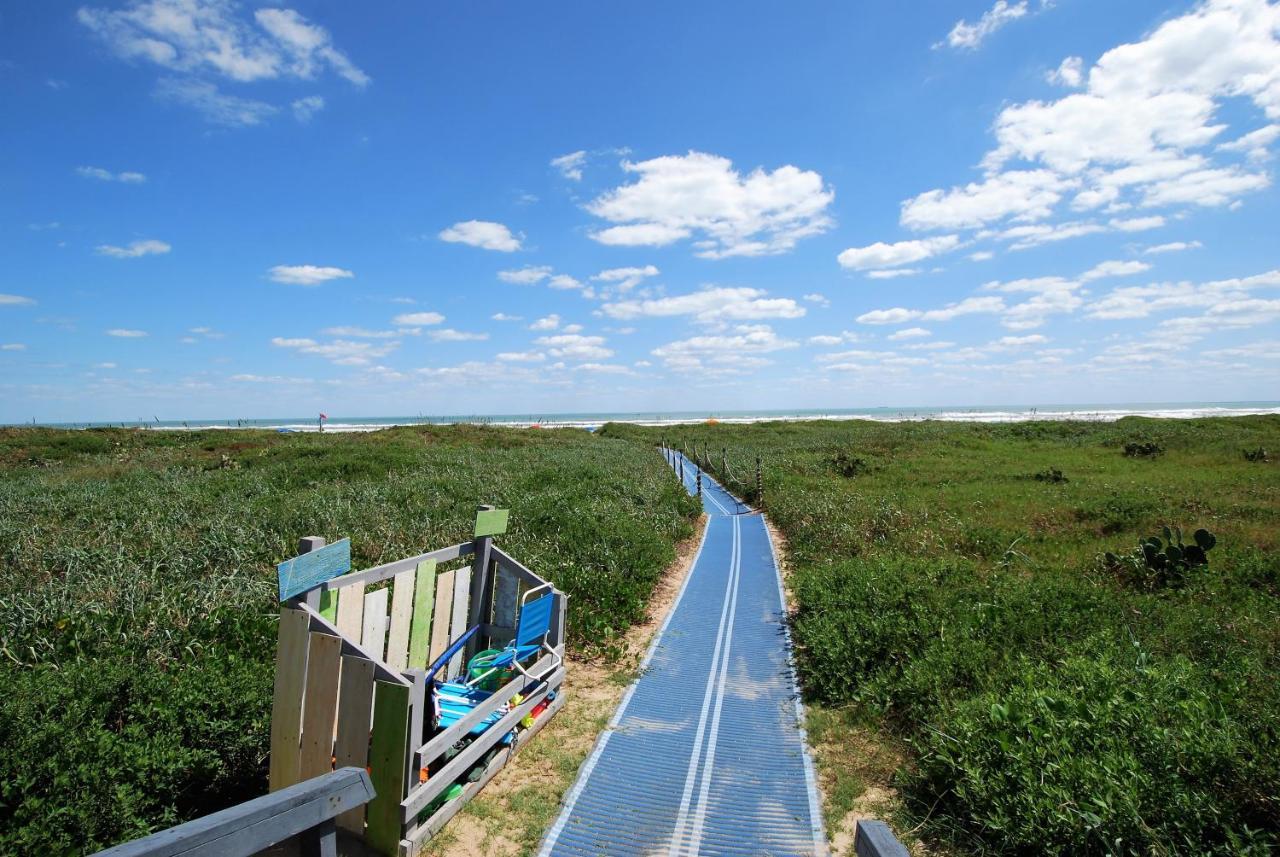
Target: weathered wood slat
420 629
350 647
350 620
309 570
329 605
458 624
387 760
320 705
373 635
443 613
257 824
382 572
355 709
506 593
286 705
401 616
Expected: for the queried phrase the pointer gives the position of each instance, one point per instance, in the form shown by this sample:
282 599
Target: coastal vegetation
1036 638
138 594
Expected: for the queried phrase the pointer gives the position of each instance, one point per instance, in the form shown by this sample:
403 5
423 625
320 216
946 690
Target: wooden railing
307 810
352 686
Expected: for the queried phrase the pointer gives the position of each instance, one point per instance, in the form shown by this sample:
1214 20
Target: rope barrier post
724 462
759 485
681 470
699 483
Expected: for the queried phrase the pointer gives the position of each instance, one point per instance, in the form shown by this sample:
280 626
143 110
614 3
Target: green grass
137 590
955 604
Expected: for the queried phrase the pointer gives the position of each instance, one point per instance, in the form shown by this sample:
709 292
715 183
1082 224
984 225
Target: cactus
1161 563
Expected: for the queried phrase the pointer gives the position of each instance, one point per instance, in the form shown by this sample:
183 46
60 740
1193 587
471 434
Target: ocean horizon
1093 412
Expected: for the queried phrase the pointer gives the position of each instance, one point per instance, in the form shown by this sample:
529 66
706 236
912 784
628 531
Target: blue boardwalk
705 754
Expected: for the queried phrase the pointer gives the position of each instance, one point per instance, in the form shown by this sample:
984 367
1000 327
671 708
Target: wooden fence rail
306 809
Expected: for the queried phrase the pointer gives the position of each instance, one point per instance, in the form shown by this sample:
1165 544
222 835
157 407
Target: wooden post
481 605
307 544
759 485
699 482
290 685
724 462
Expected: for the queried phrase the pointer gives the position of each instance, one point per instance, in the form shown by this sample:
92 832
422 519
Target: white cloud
896 315
982 256
208 36
107 176
550 322
342 352
126 333
418 319
16 300
824 339
362 332
13 346
882 255
448 334
818 299
575 346
708 305
624 280
605 368
899 315
726 349
305 108
971 36
570 165
215 105
1130 136
1254 144
307 275
147 247
894 273
502 316
1022 194
1069 74
526 276
1114 268
910 333
563 282
1033 235
482 233
701 196
522 357
1231 297
1173 247
1138 224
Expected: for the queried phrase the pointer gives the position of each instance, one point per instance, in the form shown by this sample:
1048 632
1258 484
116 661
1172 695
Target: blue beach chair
455 699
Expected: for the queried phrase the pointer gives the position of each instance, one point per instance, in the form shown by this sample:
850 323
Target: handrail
239 831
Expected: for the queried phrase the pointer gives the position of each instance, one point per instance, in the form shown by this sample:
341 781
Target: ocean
593 420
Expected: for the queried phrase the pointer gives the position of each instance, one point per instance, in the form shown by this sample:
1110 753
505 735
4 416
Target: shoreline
589 422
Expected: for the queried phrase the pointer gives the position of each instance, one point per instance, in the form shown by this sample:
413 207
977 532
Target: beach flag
324 416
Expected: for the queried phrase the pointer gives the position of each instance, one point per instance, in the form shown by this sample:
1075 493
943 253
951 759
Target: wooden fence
351 677
306 810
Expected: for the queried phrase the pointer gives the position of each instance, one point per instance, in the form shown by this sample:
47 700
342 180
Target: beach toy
481 671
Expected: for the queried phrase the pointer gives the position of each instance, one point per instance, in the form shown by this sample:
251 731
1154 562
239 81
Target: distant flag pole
323 417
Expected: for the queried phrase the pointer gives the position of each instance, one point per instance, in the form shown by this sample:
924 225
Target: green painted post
387 757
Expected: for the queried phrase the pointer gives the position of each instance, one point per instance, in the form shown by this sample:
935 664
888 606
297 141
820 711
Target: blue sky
219 209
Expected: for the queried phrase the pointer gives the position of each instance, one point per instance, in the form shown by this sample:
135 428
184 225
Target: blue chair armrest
453 649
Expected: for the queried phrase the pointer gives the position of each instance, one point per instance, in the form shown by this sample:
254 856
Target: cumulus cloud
210 36
575 346
709 305
307 275
1114 268
570 165
971 36
527 276
418 319
13 346
482 233
1173 247
882 255
1229 301
16 300
727 349
342 352
701 197
134 249
448 334
126 333
910 333
623 280
1069 74
549 322
899 315
1139 132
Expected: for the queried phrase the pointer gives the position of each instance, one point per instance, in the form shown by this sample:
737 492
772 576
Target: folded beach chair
455 699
